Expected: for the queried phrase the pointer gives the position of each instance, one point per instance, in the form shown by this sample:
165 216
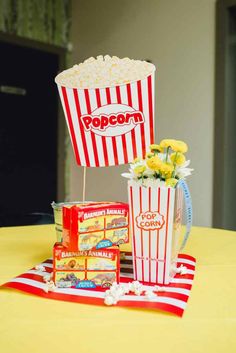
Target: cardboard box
85 269
95 226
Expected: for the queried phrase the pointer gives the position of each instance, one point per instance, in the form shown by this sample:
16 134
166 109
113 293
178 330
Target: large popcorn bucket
156 226
112 125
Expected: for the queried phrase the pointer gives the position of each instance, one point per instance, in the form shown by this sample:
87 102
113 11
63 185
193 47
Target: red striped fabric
122 143
173 299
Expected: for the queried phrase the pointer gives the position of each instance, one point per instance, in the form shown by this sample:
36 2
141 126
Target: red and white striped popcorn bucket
112 125
155 221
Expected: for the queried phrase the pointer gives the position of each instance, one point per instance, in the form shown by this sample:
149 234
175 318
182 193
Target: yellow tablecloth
31 324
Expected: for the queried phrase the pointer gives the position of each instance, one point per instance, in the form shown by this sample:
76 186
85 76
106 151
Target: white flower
182 171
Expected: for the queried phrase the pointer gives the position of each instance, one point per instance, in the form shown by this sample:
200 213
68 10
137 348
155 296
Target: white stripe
185 261
128 275
120 150
144 87
74 116
128 257
162 234
137 232
169 235
175 302
126 266
98 139
145 208
153 102
137 129
124 100
88 138
66 118
170 289
65 291
45 264
181 280
154 235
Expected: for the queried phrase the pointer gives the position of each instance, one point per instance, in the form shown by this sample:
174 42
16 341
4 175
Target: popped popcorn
149 294
182 270
49 287
40 268
104 71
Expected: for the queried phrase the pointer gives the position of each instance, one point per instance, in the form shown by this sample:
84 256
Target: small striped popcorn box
155 221
112 125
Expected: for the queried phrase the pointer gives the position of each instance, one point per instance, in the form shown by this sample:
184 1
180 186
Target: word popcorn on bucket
157 191
109 109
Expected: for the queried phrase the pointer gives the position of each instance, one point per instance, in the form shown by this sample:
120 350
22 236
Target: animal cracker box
95 226
85 269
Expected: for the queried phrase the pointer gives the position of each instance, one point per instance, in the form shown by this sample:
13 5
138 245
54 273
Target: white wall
178 36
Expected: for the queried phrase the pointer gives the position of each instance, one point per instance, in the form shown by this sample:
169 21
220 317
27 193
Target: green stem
167 153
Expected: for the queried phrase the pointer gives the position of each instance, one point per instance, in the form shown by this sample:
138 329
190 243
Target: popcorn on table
104 71
116 291
40 268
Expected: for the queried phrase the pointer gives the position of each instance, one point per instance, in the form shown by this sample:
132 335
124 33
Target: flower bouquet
156 190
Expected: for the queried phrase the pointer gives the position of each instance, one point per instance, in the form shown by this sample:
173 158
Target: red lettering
112 120
101 122
120 119
86 120
104 122
96 122
138 117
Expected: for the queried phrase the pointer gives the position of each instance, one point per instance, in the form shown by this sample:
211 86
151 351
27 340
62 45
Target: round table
32 324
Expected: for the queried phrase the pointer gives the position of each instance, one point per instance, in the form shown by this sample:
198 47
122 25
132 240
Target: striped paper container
155 221
112 125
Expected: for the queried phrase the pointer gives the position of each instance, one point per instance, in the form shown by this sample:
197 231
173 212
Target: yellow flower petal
179 146
166 170
166 143
177 158
149 155
139 169
136 160
171 182
156 148
154 163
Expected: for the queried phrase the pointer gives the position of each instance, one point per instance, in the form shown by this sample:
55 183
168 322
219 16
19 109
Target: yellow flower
156 148
154 163
179 146
166 143
171 182
149 155
177 158
176 145
139 169
136 160
166 169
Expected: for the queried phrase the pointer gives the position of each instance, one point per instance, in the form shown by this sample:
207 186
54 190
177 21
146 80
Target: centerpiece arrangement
108 104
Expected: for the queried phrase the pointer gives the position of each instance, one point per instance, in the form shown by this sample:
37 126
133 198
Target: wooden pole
84 183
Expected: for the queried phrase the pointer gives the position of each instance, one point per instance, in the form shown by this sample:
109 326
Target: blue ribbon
188 210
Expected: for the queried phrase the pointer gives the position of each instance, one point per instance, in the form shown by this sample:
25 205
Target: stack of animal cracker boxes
88 256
